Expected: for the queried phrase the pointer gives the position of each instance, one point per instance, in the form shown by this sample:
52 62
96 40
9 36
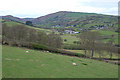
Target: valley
55 41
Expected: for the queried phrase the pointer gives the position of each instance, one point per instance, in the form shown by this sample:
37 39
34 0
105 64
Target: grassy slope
38 64
11 23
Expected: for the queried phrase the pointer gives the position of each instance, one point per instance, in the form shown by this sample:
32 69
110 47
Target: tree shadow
84 63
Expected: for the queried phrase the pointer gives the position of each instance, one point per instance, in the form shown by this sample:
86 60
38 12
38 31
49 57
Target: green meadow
41 64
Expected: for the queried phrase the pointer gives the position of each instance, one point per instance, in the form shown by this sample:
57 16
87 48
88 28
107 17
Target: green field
40 64
70 39
108 33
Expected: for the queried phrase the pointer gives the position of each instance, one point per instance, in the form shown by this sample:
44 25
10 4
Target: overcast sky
37 8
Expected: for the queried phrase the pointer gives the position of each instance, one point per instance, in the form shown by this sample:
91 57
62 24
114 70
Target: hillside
64 18
12 23
12 18
60 18
41 64
73 19
27 19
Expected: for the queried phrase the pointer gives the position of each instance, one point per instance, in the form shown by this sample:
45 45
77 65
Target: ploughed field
17 63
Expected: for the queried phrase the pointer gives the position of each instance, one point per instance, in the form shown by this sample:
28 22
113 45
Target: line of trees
20 35
91 41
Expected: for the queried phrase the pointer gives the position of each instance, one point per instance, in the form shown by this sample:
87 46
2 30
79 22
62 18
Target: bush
65 40
39 46
29 23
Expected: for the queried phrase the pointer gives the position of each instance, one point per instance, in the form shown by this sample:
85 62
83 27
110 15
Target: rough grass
38 64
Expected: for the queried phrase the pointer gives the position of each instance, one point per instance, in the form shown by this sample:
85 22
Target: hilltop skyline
37 8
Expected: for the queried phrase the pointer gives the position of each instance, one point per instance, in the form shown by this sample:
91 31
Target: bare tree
54 40
99 48
83 41
110 46
88 40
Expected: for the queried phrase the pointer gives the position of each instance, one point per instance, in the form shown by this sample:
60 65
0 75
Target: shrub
29 23
39 46
65 40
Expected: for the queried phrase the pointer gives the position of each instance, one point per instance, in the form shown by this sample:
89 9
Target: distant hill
67 18
27 19
60 18
12 18
64 18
